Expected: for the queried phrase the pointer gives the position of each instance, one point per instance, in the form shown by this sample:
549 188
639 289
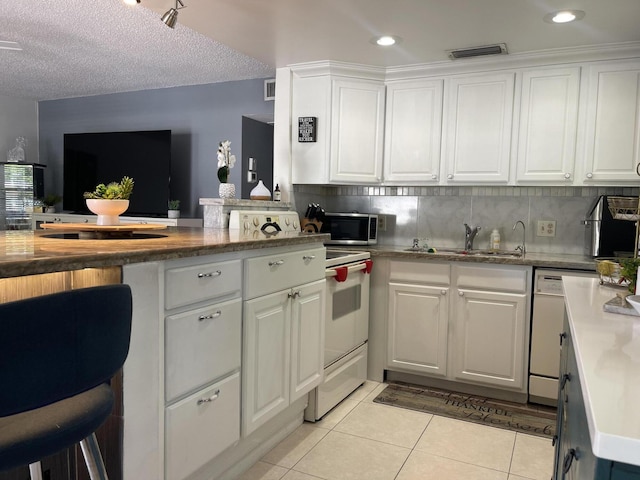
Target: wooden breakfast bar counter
34 252
159 266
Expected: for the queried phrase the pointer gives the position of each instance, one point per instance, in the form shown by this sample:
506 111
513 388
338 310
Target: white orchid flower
232 161
221 160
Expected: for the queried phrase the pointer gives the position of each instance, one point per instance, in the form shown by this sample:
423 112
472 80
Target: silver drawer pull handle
210 316
213 397
217 273
308 257
276 263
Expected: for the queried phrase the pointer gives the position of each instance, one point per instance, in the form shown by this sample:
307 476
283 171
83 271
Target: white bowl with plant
109 201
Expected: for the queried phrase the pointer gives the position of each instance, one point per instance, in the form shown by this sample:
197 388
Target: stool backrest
58 345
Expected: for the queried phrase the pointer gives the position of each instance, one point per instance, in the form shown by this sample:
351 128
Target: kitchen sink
460 251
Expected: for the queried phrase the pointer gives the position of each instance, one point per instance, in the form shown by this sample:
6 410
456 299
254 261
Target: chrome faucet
469 234
522 248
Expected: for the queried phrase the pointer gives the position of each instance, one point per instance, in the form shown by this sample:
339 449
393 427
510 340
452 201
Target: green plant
629 272
51 199
113 190
174 204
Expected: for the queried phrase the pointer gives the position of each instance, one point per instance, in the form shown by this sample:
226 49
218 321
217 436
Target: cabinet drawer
201 345
503 279
418 272
201 426
196 283
271 273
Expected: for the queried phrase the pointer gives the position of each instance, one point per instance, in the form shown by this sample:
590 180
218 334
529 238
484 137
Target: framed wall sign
307 129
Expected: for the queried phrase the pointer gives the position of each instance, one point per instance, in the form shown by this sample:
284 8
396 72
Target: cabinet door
413 131
307 338
490 338
265 359
612 134
357 117
418 323
548 125
477 136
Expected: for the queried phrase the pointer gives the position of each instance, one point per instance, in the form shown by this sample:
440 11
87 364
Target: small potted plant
109 201
174 209
50 201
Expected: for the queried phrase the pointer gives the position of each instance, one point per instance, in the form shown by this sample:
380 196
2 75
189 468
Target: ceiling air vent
270 89
497 49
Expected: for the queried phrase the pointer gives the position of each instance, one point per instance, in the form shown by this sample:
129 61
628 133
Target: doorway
257 143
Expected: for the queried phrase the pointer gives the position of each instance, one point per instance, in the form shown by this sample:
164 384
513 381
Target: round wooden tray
90 231
92 227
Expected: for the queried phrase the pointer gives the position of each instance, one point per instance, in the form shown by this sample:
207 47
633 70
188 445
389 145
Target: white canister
494 241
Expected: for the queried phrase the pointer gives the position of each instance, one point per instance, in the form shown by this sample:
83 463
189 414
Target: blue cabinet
574 458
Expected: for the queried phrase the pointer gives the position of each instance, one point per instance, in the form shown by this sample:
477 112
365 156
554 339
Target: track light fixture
171 16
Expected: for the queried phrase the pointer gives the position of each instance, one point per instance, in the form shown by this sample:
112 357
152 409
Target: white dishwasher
546 326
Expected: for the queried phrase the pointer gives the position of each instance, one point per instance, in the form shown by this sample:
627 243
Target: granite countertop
546 260
25 252
607 349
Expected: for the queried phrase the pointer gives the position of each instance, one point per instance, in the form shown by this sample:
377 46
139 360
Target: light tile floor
361 440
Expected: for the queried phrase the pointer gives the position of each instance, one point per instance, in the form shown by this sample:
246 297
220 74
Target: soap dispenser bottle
494 242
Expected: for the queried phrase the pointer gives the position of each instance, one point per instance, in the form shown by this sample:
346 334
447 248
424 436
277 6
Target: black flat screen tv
93 158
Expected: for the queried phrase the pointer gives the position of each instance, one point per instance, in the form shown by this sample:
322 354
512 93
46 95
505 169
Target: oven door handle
345 271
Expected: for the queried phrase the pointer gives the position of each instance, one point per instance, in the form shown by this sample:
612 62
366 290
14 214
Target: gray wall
18 118
199 116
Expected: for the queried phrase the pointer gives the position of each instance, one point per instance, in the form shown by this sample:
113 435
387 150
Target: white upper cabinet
548 126
478 116
348 118
357 118
612 133
413 131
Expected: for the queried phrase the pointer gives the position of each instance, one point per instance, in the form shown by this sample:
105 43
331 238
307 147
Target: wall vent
497 49
270 89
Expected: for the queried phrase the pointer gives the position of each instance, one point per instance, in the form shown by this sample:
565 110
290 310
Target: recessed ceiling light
131 2
564 16
386 40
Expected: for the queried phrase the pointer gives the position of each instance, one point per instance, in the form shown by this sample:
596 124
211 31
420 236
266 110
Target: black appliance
606 236
93 158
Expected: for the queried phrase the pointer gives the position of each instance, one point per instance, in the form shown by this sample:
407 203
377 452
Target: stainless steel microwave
351 228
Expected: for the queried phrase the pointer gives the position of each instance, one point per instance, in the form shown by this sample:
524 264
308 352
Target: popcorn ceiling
75 48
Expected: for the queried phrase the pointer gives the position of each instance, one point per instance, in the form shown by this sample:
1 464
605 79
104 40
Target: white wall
18 118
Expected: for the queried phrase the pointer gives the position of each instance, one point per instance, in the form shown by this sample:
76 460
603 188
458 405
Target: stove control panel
267 221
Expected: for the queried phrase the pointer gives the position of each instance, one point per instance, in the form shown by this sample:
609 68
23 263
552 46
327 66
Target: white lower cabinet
283 351
201 426
283 333
418 328
490 338
465 323
202 356
200 346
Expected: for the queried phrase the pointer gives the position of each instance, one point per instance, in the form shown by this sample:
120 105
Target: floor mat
524 418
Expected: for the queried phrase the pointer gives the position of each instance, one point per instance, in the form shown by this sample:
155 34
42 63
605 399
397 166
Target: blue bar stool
57 354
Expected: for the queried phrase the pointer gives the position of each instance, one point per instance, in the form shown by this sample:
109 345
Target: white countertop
607 347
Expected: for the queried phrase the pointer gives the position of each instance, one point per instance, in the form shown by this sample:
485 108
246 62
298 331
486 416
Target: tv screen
93 158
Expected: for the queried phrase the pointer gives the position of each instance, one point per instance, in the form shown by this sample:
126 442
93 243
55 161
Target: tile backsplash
439 213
